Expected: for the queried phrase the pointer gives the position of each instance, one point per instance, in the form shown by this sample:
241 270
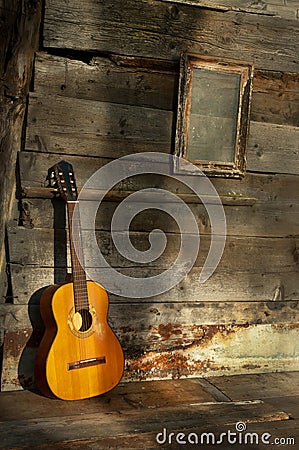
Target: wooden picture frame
213 114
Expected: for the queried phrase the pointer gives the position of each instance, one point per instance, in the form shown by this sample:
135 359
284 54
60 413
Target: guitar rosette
108 177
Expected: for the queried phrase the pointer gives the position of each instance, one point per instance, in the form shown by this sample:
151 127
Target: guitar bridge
86 363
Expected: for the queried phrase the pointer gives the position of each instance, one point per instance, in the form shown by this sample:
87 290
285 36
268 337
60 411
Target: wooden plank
154 84
275 98
147 440
16 351
109 130
156 29
258 186
274 195
279 289
124 397
29 281
95 128
24 432
155 327
128 81
289 403
37 249
260 386
178 306
287 10
115 195
276 151
276 217
16 317
34 167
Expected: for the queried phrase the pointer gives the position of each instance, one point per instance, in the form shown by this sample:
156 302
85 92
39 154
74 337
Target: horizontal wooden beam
251 269
116 195
153 83
163 30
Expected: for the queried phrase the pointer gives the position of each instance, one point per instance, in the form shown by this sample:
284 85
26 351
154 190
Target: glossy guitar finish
72 364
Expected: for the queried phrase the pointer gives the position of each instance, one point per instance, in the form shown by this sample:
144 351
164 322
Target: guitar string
80 292
82 278
79 277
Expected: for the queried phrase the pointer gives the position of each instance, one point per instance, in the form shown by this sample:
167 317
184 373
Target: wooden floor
143 415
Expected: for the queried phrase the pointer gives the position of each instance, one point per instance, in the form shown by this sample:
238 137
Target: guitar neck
76 249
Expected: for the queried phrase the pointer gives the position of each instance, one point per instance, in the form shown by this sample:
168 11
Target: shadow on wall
26 362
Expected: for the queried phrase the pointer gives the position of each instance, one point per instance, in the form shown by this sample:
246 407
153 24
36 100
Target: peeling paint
14 342
219 350
169 329
167 337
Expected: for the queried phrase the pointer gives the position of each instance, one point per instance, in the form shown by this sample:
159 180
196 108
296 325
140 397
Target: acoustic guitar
79 355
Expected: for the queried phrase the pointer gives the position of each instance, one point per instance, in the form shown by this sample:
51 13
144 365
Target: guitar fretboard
76 248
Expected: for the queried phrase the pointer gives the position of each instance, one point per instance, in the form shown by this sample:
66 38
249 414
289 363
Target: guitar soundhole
81 322
86 318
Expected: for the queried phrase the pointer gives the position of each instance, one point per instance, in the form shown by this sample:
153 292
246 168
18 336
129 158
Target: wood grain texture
266 188
251 269
119 429
157 29
275 254
126 397
19 29
116 79
276 384
60 124
274 287
160 325
273 217
275 97
61 347
273 151
154 84
96 128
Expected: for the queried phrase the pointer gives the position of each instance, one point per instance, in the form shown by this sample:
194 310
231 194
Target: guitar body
79 356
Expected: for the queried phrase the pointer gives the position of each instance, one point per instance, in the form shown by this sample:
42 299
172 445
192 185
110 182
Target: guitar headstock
62 179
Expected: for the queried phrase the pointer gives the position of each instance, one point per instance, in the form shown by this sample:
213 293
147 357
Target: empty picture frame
213 114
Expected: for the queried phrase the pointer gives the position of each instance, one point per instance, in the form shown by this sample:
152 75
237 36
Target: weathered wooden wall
19 31
105 85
